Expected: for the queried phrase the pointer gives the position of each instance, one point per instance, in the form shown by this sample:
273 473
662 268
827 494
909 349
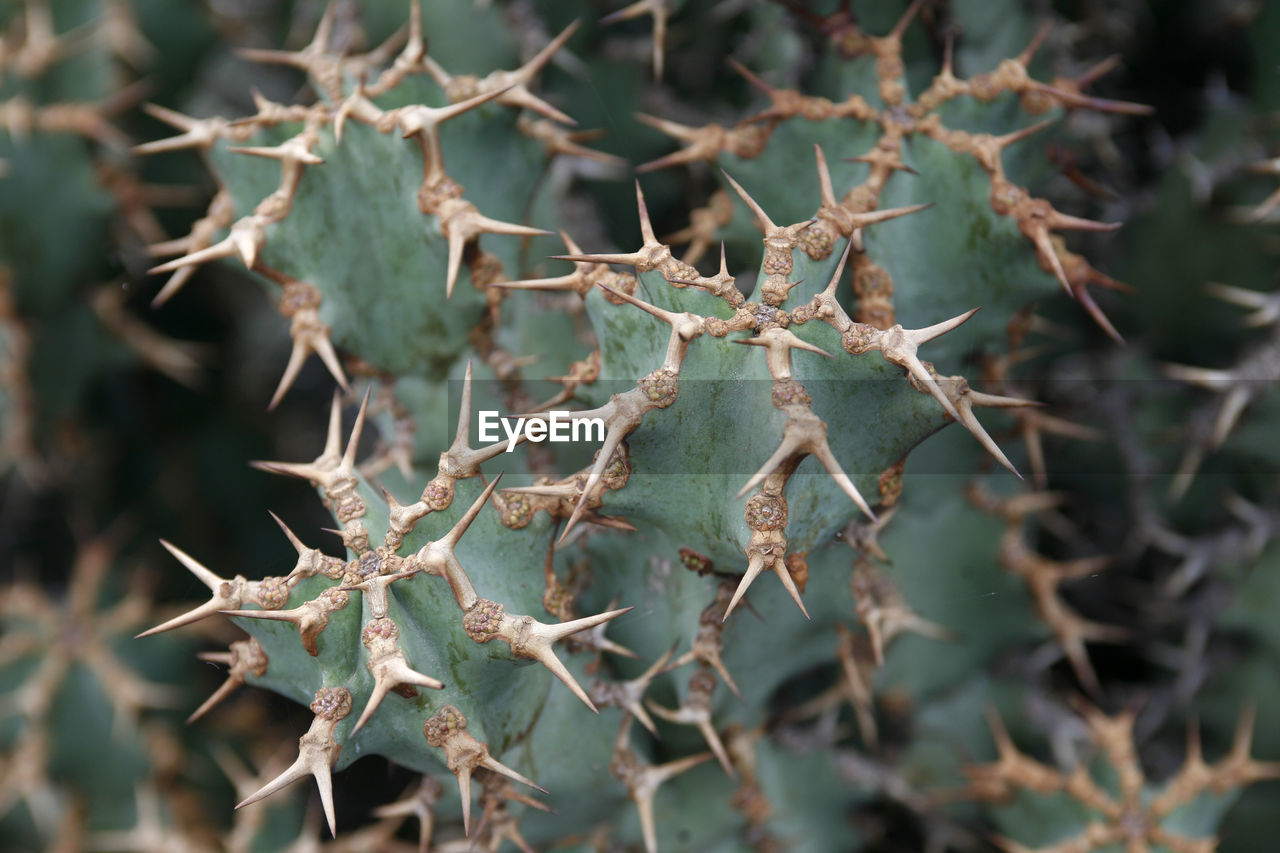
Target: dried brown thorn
464 754
317 751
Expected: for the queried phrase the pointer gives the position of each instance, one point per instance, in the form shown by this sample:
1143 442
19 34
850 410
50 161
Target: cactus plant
90 758
679 407
68 71
434 231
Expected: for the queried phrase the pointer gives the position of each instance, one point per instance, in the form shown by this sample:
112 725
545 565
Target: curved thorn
764 222
207 577
928 333
224 690
491 763
349 456
789 584
613 438
835 278
755 565
787 447
832 465
460 437
646 227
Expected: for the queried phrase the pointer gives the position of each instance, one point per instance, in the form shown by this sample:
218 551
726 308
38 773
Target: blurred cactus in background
854 225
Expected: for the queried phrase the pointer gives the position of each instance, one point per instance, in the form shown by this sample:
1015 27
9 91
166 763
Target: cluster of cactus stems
393 637
318 595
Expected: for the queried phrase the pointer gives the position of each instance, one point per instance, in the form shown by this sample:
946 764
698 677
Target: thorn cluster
771 329
899 120
331 72
1131 817
643 780
45 643
1256 372
372 572
1044 578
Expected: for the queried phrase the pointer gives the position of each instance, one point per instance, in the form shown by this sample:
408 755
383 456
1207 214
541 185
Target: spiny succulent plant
68 72
78 724
1121 806
398 214
90 757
